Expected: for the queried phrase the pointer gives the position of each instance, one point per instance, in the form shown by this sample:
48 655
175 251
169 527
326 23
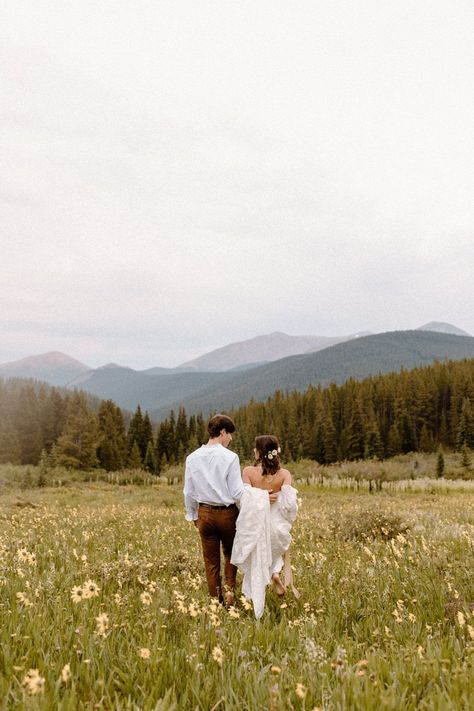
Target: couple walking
249 515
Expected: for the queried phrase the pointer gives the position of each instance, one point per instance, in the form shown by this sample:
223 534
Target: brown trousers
216 527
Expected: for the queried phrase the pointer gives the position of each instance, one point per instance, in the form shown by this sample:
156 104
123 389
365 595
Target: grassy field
103 604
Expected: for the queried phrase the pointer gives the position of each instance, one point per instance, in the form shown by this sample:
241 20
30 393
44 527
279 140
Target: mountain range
160 389
262 349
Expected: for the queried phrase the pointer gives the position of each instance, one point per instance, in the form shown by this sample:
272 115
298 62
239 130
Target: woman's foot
229 598
278 585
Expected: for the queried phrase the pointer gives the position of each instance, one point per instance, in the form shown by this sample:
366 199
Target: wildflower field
103 605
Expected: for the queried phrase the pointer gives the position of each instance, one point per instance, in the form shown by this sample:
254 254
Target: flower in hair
273 453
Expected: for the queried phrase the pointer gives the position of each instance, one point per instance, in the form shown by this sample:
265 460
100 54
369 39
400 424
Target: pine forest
412 411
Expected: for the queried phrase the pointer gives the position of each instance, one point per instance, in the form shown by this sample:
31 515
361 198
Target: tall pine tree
77 445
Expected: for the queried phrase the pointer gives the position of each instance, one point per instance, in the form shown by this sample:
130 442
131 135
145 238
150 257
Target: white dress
262 539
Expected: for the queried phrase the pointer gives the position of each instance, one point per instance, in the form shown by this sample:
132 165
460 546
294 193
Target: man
212 486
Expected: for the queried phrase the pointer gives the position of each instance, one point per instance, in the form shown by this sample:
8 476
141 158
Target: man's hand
273 497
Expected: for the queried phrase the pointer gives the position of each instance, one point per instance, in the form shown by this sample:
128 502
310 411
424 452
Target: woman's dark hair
218 423
268 448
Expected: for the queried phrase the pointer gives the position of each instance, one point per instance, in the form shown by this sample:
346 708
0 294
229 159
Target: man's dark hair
218 423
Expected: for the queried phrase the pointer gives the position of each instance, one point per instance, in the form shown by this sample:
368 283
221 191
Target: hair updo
268 453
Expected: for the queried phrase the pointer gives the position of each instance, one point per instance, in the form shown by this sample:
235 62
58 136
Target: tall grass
383 620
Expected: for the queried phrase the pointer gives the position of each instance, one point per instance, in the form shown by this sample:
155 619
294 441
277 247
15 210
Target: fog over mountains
160 389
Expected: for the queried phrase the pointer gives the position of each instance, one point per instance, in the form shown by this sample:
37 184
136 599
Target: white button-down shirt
212 476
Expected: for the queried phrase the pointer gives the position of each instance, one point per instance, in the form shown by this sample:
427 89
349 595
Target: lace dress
262 539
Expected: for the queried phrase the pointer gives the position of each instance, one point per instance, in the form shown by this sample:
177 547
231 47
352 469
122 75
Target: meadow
103 603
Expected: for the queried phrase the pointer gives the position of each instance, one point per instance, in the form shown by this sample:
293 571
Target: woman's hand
273 497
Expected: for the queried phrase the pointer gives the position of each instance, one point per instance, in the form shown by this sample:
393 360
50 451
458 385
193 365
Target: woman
267 510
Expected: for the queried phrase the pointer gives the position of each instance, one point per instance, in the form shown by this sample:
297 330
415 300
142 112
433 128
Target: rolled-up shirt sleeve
190 501
234 480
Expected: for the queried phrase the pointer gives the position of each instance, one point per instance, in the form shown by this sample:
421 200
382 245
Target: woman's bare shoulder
250 468
286 476
249 473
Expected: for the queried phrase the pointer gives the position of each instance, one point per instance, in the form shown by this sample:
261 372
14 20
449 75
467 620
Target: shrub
369 524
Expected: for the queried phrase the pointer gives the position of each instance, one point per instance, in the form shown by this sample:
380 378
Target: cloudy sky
177 175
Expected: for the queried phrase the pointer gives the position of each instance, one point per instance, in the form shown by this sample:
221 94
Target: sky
178 175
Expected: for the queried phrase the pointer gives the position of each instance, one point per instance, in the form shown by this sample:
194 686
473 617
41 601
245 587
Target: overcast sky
179 175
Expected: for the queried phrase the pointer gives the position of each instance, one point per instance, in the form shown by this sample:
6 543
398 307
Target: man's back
212 476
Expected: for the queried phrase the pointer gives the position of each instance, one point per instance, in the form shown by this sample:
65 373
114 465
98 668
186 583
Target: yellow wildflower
77 594
33 682
102 624
193 609
66 673
145 598
300 691
23 599
245 603
218 655
90 589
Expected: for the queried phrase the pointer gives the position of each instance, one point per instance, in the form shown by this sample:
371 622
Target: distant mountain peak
49 358
260 349
441 327
110 366
54 367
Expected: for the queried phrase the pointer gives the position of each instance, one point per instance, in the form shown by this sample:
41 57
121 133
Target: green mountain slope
150 389
359 358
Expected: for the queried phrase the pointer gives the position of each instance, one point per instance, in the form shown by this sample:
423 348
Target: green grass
371 629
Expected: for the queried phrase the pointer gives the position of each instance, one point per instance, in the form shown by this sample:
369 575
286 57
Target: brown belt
212 506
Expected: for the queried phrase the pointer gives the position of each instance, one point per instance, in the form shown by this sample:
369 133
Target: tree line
44 424
379 417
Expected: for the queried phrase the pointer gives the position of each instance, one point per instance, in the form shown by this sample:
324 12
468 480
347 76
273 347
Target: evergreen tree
426 443
112 451
136 433
53 456
51 414
192 444
201 429
329 439
77 445
147 436
171 451
317 442
355 434
27 425
465 457
394 444
10 452
407 432
134 458
373 443
465 431
44 463
181 435
440 464
163 442
150 460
